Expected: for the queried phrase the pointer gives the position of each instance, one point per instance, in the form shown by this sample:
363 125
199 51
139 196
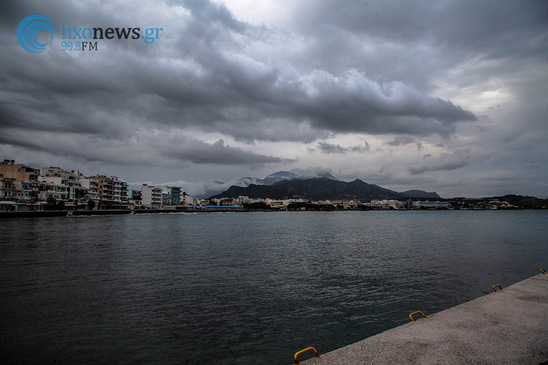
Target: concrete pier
506 327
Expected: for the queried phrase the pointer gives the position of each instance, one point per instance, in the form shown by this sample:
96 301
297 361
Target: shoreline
85 212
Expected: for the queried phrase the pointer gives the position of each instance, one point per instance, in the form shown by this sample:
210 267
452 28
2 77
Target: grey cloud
465 23
445 161
315 171
212 85
208 12
329 148
401 140
139 149
218 153
353 103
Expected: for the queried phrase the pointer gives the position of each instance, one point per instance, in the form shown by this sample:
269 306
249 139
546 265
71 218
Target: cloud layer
221 87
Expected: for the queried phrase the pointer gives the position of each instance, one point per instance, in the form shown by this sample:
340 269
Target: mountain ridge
321 188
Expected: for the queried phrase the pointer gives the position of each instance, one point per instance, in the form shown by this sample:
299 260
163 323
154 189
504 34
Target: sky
446 96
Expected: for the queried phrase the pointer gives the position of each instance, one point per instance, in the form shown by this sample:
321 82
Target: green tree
51 200
91 204
79 193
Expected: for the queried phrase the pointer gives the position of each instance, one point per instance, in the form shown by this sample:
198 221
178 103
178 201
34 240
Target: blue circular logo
30 29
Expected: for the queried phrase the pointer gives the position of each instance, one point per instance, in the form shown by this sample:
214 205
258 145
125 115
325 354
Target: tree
79 193
51 200
91 204
60 205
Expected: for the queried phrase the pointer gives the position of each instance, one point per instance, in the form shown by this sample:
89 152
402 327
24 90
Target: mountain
217 186
419 194
321 188
277 177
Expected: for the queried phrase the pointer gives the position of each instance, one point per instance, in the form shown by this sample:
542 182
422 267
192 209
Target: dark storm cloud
217 153
464 26
203 76
444 162
157 149
338 67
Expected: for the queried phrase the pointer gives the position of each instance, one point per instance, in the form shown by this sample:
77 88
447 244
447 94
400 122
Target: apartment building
19 172
91 186
171 195
23 178
188 200
111 192
7 188
65 182
151 196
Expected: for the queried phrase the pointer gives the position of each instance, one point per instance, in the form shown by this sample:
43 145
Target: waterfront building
134 199
7 188
50 189
111 191
7 194
276 204
25 180
24 191
70 181
171 195
188 200
91 187
430 204
124 192
387 204
151 196
228 202
19 172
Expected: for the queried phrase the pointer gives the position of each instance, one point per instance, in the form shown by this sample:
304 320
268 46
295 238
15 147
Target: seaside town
26 189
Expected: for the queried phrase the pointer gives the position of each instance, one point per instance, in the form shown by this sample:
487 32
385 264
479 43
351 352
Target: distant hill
277 177
419 194
529 202
320 188
218 187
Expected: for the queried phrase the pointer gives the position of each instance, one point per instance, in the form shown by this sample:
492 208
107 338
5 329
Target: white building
151 196
90 185
430 204
188 200
62 181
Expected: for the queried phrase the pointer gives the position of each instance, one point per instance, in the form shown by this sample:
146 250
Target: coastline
85 212
61 213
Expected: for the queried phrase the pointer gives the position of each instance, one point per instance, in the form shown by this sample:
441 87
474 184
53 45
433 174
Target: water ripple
244 288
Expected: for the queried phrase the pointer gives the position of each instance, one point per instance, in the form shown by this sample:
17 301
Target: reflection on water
244 287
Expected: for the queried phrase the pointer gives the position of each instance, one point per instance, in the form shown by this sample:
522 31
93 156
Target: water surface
244 288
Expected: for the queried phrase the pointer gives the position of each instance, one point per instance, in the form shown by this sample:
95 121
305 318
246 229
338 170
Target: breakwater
509 326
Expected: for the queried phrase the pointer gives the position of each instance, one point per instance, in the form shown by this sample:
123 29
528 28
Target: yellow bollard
417 312
494 286
305 350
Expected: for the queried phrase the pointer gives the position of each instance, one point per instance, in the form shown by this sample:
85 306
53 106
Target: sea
244 287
